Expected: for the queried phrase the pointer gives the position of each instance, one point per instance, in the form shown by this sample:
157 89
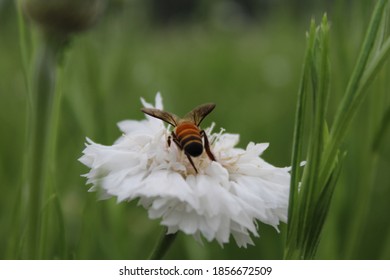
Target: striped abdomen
188 135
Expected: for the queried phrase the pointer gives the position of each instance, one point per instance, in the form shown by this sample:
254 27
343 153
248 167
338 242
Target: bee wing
162 115
199 113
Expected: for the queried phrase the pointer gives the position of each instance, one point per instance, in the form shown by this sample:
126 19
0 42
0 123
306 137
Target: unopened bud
64 16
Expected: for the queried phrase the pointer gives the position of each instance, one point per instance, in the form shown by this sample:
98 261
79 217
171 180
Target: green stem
14 241
162 246
43 97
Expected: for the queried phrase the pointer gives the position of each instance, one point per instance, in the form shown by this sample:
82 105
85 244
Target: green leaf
322 209
354 92
298 143
310 200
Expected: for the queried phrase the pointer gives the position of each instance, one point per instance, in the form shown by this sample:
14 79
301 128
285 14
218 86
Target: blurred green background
245 56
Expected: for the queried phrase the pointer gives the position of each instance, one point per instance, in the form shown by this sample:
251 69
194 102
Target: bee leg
207 146
174 138
192 163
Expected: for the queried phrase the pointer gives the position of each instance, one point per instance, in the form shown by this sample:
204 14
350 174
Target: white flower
224 198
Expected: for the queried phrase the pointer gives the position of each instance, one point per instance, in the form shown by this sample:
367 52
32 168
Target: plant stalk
43 89
162 246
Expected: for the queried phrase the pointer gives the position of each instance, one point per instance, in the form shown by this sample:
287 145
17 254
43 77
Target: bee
187 134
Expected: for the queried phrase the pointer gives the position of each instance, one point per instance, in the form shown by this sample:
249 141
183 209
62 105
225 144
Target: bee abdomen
190 140
193 145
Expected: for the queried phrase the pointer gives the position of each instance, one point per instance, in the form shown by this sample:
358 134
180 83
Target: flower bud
64 16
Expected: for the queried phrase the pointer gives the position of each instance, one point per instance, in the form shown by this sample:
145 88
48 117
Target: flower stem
163 245
43 90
